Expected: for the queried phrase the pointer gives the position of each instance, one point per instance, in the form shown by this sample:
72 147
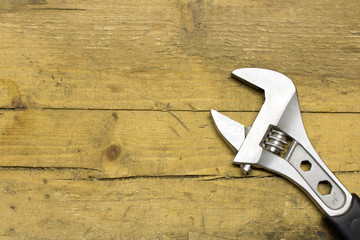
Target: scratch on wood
179 120
59 9
126 211
87 230
192 107
174 131
30 168
136 177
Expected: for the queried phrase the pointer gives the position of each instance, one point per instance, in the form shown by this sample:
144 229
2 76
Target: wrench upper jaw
278 90
272 83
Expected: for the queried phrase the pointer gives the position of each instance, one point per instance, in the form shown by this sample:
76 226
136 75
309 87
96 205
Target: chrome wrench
277 141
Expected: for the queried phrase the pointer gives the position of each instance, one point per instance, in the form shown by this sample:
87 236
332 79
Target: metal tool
277 141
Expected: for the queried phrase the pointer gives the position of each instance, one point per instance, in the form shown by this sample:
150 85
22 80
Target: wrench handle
347 225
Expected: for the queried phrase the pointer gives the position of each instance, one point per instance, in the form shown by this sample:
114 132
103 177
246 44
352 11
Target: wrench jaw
279 121
278 90
232 132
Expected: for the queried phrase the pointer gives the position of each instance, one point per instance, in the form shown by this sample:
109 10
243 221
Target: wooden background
105 124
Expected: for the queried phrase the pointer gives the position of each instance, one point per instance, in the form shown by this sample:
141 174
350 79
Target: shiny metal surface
232 132
275 141
278 90
281 110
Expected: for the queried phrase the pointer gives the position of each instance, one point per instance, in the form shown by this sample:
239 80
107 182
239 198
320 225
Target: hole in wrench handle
347 225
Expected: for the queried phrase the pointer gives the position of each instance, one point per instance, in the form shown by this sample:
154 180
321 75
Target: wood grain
177 54
105 124
55 205
152 143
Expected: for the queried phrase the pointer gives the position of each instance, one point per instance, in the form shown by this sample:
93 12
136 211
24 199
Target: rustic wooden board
105 124
176 54
59 204
152 143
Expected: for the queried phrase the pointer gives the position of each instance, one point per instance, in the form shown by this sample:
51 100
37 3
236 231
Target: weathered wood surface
58 204
152 143
177 54
105 124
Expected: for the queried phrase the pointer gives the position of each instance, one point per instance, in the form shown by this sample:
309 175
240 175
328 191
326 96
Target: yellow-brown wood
105 124
58 204
152 143
177 54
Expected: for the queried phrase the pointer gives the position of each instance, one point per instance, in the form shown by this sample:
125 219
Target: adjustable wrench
277 141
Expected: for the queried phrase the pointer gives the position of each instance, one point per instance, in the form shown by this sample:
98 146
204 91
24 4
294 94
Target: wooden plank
52 204
112 137
152 143
176 55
